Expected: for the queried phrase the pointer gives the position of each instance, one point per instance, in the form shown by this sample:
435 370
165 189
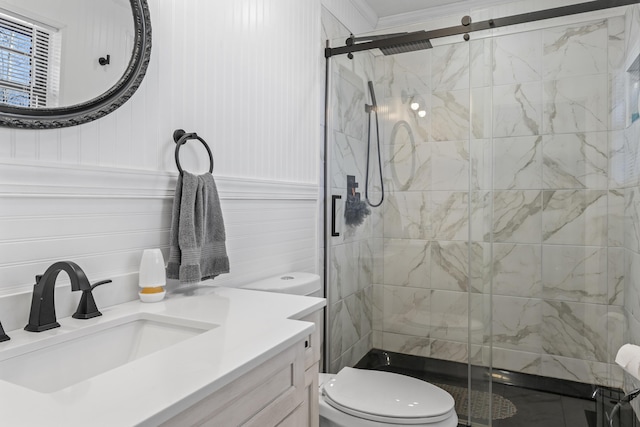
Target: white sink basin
69 358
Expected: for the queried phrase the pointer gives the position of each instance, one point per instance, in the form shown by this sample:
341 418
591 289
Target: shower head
406 42
406 47
352 39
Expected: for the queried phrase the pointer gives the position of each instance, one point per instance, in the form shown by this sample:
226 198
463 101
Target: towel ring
181 137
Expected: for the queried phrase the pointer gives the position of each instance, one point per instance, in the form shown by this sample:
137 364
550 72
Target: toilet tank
297 283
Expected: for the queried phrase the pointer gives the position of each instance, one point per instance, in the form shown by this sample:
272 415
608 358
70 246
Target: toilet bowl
367 398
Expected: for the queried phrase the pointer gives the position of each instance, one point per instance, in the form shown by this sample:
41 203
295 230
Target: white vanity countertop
254 326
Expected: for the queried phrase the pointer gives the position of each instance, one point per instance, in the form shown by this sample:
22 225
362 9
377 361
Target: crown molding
367 13
462 8
424 15
355 15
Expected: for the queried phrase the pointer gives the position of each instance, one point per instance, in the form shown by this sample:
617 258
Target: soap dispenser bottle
152 277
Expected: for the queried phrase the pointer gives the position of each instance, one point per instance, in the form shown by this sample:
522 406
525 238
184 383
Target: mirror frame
100 106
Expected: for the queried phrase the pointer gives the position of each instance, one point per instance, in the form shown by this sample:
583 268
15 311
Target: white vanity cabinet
281 392
272 394
253 362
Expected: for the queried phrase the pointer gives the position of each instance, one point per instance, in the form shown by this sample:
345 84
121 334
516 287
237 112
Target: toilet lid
385 396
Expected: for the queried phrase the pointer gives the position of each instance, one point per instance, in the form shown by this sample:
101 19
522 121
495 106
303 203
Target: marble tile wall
350 293
512 186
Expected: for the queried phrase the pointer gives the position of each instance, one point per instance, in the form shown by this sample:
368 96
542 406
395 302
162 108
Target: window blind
24 63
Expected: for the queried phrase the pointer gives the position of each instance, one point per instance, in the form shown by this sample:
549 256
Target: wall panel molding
53 180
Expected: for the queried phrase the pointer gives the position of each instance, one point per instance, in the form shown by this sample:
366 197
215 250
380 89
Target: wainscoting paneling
103 219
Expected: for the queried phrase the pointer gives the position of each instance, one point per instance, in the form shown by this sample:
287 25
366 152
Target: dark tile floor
535 408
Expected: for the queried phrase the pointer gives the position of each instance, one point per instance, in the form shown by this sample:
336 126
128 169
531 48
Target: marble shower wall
421 299
510 187
351 254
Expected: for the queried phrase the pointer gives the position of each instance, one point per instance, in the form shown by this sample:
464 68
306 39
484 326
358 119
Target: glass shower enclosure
498 253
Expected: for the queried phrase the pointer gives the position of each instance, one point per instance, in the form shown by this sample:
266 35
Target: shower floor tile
537 408
533 407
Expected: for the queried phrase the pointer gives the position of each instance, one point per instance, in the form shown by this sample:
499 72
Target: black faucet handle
38 277
3 335
102 282
87 307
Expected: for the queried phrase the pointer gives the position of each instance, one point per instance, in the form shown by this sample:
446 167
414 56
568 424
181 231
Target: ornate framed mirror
69 62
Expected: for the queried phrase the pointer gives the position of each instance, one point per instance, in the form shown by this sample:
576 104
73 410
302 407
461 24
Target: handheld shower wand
374 107
369 109
356 210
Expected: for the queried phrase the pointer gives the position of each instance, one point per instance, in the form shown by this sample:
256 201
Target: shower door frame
468 26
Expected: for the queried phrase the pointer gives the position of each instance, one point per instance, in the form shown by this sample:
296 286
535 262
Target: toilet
366 398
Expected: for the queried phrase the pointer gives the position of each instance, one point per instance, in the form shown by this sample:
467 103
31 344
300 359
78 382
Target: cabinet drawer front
276 387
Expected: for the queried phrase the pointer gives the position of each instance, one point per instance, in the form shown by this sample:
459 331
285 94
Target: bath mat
501 407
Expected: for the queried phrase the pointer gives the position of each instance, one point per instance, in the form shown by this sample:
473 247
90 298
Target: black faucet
43 311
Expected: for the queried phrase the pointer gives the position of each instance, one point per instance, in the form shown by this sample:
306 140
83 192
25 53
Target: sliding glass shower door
400 281
497 255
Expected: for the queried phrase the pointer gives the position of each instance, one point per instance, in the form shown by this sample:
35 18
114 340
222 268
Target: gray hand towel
197 248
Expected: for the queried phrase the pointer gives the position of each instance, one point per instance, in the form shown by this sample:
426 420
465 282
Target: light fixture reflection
414 105
422 113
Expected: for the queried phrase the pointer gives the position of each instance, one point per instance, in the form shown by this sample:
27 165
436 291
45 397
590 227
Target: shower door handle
334 197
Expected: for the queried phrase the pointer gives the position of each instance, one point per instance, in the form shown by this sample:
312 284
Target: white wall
245 75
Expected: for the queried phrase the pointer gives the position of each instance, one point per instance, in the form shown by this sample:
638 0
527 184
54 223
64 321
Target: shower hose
373 108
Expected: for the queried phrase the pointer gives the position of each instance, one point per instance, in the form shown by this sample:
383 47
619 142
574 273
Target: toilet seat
387 397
